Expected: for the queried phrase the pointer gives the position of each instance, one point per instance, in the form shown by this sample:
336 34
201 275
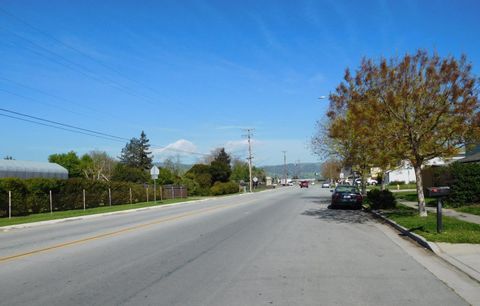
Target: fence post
147 193
9 204
84 203
110 196
130 195
51 202
173 193
161 193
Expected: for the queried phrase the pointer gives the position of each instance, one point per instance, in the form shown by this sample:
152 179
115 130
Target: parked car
346 196
326 185
304 184
370 181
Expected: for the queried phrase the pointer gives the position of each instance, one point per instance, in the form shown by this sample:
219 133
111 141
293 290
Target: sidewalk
465 257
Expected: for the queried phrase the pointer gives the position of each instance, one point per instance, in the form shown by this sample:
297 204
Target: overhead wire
76 50
79 68
80 130
58 127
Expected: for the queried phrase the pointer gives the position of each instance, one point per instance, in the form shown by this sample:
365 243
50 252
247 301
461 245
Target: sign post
154 172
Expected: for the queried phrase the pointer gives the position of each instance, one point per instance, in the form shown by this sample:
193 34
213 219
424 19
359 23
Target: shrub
381 199
19 196
394 183
464 182
220 188
38 199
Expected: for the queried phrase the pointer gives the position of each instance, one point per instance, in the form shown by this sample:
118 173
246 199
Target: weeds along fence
20 197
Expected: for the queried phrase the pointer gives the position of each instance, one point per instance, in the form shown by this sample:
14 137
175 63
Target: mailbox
437 192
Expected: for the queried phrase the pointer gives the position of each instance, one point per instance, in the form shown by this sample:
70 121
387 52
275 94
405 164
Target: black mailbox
436 192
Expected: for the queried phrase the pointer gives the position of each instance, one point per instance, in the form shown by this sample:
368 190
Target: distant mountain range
302 170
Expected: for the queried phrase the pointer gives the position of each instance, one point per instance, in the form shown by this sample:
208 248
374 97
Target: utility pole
285 167
249 136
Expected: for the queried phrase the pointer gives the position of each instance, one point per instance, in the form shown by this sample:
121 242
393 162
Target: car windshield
346 189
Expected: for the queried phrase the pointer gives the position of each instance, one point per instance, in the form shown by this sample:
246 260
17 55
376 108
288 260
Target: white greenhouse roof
29 169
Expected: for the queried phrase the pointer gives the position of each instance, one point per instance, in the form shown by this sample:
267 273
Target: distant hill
302 170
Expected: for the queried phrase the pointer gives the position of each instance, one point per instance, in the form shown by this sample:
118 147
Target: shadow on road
339 215
318 200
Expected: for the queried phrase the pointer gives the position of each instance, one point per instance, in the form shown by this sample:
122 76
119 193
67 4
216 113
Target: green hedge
381 199
464 182
220 188
32 195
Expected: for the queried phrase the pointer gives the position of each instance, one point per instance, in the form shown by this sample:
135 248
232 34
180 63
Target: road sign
154 172
255 179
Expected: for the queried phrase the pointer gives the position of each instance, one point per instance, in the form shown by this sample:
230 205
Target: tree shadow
318 200
339 215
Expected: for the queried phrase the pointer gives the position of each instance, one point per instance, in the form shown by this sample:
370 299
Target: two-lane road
281 247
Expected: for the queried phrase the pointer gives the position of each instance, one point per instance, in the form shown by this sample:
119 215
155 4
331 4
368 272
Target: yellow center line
108 234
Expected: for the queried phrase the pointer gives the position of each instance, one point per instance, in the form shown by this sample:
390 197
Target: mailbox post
439 193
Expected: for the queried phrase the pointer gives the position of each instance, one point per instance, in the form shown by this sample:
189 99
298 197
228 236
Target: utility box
437 192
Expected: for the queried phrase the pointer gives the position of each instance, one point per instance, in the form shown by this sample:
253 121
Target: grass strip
472 209
88 211
454 230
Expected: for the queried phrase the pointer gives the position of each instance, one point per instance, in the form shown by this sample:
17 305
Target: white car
326 185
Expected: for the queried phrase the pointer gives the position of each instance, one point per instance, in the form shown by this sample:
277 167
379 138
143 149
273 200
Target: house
405 172
472 156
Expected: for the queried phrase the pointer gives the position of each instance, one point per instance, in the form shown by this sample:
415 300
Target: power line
44 93
74 49
58 127
81 69
61 124
79 130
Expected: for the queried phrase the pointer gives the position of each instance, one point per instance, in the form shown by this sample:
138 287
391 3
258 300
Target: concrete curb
55 221
418 239
431 246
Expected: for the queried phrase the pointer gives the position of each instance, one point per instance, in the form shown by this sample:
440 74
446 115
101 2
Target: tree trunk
421 198
384 185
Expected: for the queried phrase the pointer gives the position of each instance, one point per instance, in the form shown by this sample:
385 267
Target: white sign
255 179
154 172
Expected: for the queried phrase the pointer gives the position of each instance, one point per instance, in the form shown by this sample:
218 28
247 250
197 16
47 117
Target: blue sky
192 74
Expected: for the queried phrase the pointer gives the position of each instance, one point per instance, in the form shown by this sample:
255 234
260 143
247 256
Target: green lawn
473 209
454 230
89 211
411 196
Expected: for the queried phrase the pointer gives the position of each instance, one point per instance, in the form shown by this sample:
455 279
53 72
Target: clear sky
192 74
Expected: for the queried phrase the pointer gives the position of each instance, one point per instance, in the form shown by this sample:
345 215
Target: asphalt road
281 247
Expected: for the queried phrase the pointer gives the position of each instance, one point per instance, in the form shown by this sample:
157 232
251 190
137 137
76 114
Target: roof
31 169
474 158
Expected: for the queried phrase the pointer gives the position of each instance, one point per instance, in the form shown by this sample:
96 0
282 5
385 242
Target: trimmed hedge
464 182
220 188
381 199
32 195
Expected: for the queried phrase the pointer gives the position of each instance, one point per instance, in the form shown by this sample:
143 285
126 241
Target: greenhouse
30 169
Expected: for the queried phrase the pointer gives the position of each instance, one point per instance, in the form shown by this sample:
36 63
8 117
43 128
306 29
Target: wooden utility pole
249 137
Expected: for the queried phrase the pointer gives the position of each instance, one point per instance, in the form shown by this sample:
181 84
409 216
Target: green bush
220 188
32 195
381 199
395 183
38 199
19 196
464 182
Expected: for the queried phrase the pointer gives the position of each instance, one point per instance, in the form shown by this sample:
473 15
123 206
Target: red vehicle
304 184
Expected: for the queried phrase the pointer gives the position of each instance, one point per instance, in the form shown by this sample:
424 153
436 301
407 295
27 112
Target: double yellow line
109 234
